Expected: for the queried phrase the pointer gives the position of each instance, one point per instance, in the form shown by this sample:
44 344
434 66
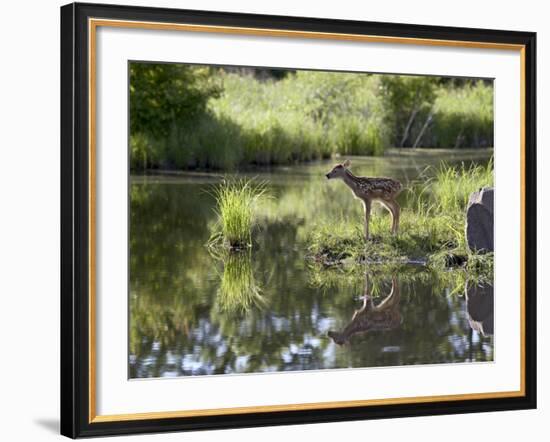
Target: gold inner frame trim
298 407
299 34
92 28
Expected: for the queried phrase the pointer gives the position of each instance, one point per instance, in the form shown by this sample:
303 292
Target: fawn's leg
368 302
393 298
387 204
367 205
395 210
396 215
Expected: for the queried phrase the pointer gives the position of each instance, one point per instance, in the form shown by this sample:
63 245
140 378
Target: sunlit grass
463 116
236 201
306 116
451 187
420 235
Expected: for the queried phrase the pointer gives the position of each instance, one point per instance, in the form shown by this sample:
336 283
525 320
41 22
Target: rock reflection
371 317
480 307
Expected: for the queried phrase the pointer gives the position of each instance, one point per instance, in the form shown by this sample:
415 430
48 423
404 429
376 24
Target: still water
192 313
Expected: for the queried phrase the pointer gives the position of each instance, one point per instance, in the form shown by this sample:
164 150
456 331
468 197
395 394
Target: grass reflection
453 281
239 290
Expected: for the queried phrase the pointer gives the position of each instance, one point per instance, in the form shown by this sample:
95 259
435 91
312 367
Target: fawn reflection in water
370 317
386 315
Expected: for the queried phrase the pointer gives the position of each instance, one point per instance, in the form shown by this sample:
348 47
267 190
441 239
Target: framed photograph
274 220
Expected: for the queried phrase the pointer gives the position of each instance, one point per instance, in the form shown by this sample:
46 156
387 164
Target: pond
268 309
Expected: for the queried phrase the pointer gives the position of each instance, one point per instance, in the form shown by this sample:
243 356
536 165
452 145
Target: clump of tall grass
236 201
452 186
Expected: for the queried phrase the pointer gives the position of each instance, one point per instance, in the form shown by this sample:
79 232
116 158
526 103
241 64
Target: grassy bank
312 115
432 228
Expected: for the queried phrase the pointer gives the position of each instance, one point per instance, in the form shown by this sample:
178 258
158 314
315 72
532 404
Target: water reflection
195 314
480 307
372 317
239 291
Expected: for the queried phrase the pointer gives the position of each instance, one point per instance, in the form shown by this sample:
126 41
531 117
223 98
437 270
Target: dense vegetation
188 117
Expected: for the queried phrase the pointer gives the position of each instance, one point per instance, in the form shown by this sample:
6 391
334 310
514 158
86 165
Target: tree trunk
424 127
408 127
416 109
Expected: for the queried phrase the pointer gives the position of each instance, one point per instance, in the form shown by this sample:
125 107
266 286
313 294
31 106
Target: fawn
370 317
383 190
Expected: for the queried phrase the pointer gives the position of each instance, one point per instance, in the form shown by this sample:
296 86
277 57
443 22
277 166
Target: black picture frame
75 219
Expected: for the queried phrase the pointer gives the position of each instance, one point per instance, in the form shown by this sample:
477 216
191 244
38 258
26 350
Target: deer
371 317
383 190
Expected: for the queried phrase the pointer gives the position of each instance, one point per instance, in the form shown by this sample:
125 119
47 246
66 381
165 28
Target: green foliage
236 202
212 143
452 186
352 136
166 100
427 112
142 154
305 116
406 99
189 117
463 116
161 94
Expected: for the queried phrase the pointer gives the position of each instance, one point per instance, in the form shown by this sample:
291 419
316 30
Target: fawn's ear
346 164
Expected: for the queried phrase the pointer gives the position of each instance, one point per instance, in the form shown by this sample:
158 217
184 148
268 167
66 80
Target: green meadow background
199 117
